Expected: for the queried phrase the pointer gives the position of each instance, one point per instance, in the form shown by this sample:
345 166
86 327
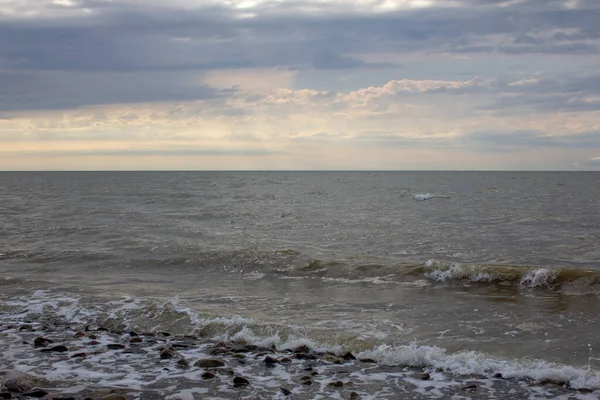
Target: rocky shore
95 363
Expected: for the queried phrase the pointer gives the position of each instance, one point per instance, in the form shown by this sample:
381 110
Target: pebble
368 360
270 360
425 376
57 349
209 363
167 353
115 346
207 375
41 342
239 381
348 356
285 391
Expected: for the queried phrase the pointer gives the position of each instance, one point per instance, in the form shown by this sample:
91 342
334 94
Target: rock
305 356
270 360
136 339
336 384
102 329
239 381
167 353
79 334
114 396
27 328
331 358
180 346
93 337
19 383
5 395
285 391
368 360
498 375
41 342
285 360
470 388
353 396
133 334
209 363
36 393
207 375
165 334
348 356
57 349
425 376
302 349
93 343
307 382
306 378
238 355
79 355
183 363
115 346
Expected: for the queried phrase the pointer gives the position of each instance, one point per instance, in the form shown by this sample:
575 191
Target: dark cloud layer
134 51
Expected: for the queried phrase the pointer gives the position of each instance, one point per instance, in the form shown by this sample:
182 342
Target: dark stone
425 376
239 381
285 360
302 349
27 328
470 388
167 353
285 391
207 375
133 334
165 334
313 373
307 382
183 363
5 395
57 349
41 342
353 396
498 375
305 356
306 378
136 339
115 346
238 355
93 343
348 356
270 360
336 384
114 396
209 363
368 360
78 334
102 329
93 337
36 393
79 355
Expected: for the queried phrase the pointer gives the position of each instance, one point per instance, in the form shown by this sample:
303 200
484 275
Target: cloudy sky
299 84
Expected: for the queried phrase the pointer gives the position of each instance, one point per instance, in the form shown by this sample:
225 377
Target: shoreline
92 363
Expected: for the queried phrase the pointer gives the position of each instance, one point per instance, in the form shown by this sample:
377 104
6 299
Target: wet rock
348 356
207 375
307 382
165 334
115 346
498 375
41 342
425 376
57 396
136 339
209 363
353 396
5 395
270 360
368 360
102 329
181 346
56 349
306 378
302 349
470 388
183 363
331 358
19 383
313 373
285 360
79 355
93 337
238 355
239 381
114 396
336 384
36 393
93 343
285 391
27 328
305 356
167 353
133 334
79 334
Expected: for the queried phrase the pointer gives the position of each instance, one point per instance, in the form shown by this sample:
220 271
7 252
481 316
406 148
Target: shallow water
481 273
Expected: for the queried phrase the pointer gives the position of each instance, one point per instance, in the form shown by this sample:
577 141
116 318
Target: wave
171 317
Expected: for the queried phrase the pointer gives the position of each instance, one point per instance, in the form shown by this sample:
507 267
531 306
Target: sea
488 279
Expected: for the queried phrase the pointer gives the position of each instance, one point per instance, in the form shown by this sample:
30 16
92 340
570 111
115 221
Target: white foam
441 273
539 277
423 196
475 363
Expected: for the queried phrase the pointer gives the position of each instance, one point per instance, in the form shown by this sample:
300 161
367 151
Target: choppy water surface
408 268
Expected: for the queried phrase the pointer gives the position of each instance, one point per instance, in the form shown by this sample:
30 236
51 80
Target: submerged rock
41 342
285 391
115 346
239 381
57 349
209 363
167 353
207 375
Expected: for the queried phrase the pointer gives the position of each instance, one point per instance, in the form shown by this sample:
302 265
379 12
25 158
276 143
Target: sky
299 84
